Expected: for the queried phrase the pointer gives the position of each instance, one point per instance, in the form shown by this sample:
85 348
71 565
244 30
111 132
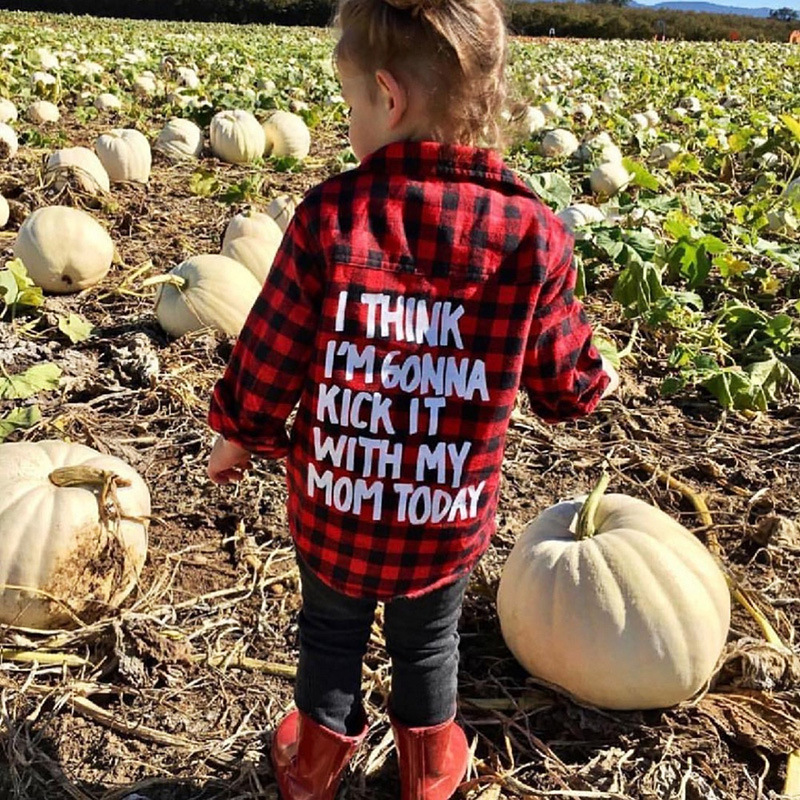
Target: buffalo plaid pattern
409 301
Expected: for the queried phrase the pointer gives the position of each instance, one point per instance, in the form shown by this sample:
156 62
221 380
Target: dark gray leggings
421 640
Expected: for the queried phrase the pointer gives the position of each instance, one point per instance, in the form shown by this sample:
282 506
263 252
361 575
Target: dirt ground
175 696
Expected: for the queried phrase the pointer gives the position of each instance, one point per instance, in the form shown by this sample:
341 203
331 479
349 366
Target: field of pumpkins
632 631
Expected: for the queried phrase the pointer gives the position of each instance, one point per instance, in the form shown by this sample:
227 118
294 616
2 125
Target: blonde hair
455 49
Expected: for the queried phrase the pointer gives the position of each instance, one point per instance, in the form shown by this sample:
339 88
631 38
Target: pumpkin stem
173 280
102 479
586 528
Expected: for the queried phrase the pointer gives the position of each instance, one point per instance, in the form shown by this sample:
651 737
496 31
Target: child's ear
394 96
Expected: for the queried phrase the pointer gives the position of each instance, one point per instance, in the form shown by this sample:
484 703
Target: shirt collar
428 158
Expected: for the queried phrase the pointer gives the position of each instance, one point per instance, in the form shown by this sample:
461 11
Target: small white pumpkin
580 214
253 252
206 291
80 162
236 136
559 143
634 615
286 134
534 119
42 111
59 539
609 178
640 121
144 86
282 209
8 111
188 77
180 138
46 59
5 212
662 154
582 112
44 84
125 154
652 117
64 249
8 141
107 102
678 114
551 110
691 104
253 223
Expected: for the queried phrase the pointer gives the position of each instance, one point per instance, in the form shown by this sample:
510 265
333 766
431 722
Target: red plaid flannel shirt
410 299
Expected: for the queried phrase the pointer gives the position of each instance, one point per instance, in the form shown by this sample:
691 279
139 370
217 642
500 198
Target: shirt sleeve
270 361
562 373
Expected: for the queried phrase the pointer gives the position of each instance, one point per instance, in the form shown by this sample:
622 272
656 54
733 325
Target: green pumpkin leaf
19 418
38 378
75 327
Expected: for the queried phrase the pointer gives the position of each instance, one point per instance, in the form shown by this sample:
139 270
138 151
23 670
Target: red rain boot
309 759
433 761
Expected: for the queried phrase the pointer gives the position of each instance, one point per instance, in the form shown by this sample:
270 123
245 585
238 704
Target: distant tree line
604 19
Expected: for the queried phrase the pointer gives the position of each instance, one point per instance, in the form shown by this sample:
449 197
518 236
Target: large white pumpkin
253 252
253 223
282 209
64 249
634 616
236 136
8 111
206 291
107 102
287 135
42 111
5 211
8 141
80 163
125 154
180 138
68 540
580 214
559 143
609 178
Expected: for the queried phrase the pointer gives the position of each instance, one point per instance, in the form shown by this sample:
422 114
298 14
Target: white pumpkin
286 134
253 252
580 214
8 141
44 84
634 616
80 162
691 104
609 178
41 111
206 291
72 545
107 102
282 209
792 190
253 223
652 117
236 136
559 143
583 112
144 86
5 212
640 122
551 110
180 138
125 154
64 249
534 119
188 77
8 111
662 154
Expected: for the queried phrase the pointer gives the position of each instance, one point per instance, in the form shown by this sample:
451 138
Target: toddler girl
410 299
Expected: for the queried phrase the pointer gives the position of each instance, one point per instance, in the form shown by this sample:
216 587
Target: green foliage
17 290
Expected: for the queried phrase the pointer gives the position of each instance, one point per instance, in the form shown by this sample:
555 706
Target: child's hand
613 384
227 461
